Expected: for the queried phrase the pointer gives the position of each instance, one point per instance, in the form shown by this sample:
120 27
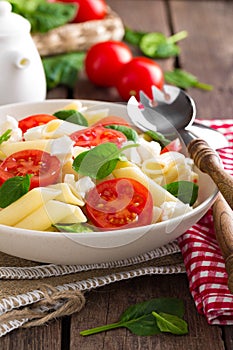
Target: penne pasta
132 173
10 148
154 167
25 205
160 195
67 198
74 218
124 164
95 116
66 194
171 175
51 213
67 168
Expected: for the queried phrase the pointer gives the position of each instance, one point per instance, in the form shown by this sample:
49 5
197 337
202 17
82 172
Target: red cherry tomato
104 61
112 120
94 136
139 74
44 167
88 10
119 203
174 146
35 120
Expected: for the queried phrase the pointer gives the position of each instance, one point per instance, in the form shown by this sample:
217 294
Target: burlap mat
31 294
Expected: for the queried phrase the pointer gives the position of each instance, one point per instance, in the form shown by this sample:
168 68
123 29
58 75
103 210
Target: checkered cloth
202 257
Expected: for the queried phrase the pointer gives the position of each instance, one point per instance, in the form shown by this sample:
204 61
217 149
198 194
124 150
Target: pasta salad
78 170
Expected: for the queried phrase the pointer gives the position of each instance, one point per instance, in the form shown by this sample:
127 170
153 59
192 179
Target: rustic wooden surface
207 53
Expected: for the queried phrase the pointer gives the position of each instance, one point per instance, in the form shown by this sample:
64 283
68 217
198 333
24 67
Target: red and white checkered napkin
202 257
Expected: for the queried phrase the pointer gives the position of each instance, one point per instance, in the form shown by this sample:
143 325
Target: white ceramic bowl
88 248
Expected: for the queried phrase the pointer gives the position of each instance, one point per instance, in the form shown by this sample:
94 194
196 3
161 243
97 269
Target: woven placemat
32 294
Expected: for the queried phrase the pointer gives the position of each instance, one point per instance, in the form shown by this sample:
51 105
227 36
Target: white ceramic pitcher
22 77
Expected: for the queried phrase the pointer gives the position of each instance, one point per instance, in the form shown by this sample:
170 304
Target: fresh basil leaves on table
149 318
157 45
185 80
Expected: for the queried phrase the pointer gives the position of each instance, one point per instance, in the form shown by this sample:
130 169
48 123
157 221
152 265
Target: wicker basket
79 36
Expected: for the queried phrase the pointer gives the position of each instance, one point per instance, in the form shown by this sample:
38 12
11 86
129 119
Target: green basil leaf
186 191
14 188
166 50
139 319
44 16
73 228
158 137
5 136
184 80
99 161
145 325
170 323
71 116
170 305
128 132
150 42
63 69
157 45
133 37
23 7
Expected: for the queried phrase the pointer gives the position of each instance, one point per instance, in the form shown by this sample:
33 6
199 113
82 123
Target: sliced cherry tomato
112 120
44 167
173 146
139 74
104 61
94 136
119 203
35 120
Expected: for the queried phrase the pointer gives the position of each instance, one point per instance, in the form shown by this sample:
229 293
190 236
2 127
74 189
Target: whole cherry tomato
139 74
119 203
44 167
104 61
88 10
96 135
35 120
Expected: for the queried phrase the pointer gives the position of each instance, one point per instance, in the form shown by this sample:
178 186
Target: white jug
22 77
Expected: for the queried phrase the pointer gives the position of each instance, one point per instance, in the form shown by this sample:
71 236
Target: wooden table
207 53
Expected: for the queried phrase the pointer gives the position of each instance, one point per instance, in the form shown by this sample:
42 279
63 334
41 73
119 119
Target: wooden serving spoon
209 162
223 224
205 158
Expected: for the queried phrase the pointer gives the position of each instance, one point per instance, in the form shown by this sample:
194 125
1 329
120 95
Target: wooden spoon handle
208 161
223 223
